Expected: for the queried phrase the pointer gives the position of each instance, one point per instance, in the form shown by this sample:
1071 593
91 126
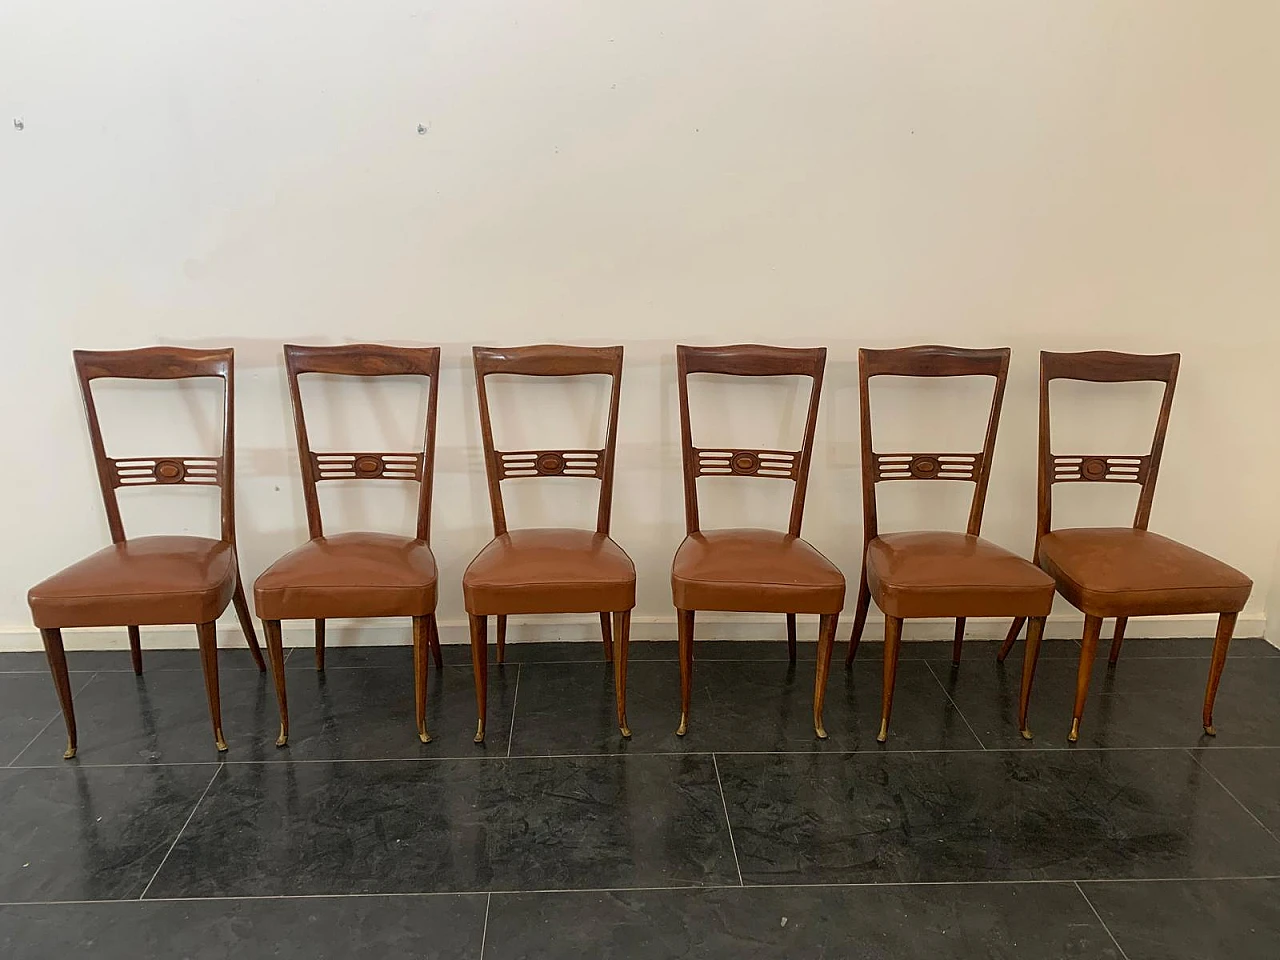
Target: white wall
1042 175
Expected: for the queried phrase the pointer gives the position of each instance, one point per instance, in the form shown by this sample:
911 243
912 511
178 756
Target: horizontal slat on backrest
363 360
753 360
934 361
548 360
1106 366
154 363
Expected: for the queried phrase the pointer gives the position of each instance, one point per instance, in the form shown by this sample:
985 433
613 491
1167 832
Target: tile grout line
40 732
649 889
484 931
947 693
1080 890
515 696
727 822
183 830
1214 776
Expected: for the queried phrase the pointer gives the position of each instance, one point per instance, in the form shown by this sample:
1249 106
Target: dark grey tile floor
557 838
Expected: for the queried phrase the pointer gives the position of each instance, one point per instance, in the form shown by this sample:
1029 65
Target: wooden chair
1121 572
751 569
937 573
549 570
150 580
357 574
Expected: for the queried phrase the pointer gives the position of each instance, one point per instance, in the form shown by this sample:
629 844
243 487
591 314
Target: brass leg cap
424 736
820 731
283 739
221 745
625 730
684 725
1026 734
70 753
479 738
1074 735
883 735
1211 730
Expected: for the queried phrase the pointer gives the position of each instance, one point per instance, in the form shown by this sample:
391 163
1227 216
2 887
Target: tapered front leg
275 651
892 648
827 625
621 641
421 657
207 634
319 644
1035 633
1088 650
606 634
57 656
135 649
957 642
1117 640
1226 626
684 626
502 638
1010 638
791 637
480 669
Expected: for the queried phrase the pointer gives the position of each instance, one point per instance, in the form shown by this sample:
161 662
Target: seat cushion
1119 572
149 580
350 575
941 574
549 570
765 571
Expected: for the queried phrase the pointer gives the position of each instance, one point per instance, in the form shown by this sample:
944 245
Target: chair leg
421 657
246 623
480 667
606 634
1010 638
684 624
957 642
859 616
1117 639
1226 626
502 637
791 637
208 636
1031 654
275 650
827 625
621 641
319 644
1088 650
135 649
57 657
892 647
436 652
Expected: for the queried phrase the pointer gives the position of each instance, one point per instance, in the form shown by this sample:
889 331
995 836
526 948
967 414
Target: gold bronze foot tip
684 726
283 739
883 735
424 736
1026 734
625 731
1074 735
221 745
479 738
1211 730
820 731
70 753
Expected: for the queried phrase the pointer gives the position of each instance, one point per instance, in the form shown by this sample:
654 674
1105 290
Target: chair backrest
749 360
975 468
548 360
161 363
365 360
1103 366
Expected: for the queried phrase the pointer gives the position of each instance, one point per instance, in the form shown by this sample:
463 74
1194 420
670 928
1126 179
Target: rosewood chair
750 569
549 570
357 574
1121 572
150 580
937 573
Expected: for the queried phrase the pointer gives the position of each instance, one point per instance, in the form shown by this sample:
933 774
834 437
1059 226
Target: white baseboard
724 626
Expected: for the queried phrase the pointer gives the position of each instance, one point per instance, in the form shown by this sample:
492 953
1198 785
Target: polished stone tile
1186 646
1192 919
1252 776
453 825
95 661
737 706
367 714
953 922
1002 815
1141 702
388 928
91 833
27 704
163 717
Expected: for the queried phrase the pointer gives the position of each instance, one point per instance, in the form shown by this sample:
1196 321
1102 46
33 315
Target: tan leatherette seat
358 574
